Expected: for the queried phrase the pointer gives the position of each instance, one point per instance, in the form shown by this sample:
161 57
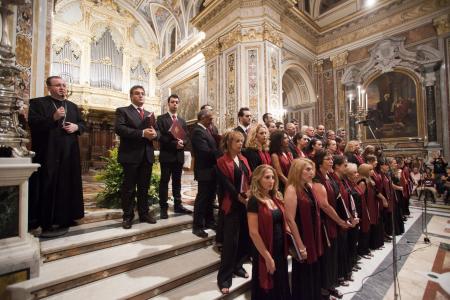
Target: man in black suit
135 155
206 153
212 128
171 157
289 128
245 119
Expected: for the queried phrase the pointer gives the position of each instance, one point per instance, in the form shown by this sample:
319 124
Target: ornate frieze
252 79
211 85
211 50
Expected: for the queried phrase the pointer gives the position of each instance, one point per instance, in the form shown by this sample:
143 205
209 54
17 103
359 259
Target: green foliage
112 176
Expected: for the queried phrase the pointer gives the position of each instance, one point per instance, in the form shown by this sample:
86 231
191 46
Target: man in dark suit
135 155
289 128
212 128
245 119
171 157
206 153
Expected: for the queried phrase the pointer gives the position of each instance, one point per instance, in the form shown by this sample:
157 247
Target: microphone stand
424 192
394 244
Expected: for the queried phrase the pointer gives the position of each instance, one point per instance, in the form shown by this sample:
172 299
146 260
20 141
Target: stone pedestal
19 250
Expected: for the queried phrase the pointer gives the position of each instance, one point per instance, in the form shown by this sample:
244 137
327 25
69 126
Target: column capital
442 24
339 60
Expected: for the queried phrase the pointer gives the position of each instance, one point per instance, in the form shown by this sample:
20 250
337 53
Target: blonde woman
267 228
234 180
303 218
257 147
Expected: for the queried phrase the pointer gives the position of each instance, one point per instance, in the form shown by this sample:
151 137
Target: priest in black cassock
56 196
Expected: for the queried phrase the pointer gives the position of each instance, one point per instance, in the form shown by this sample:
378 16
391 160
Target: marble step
93 240
205 288
100 215
65 274
147 281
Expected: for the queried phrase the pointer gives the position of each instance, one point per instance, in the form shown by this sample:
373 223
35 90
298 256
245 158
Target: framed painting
188 92
394 106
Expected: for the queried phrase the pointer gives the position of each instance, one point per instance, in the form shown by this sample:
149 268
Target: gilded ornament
339 60
442 24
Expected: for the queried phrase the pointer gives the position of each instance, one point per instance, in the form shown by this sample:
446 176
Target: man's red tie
174 118
141 113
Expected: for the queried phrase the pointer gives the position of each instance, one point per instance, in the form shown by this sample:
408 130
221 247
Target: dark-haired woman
377 229
301 142
281 156
267 228
314 146
328 191
234 180
347 256
257 147
303 218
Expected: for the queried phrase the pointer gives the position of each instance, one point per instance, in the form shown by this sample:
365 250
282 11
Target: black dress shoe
147 219
335 293
126 224
163 214
200 233
180 209
212 226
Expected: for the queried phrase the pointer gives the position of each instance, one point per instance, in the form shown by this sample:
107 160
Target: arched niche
299 97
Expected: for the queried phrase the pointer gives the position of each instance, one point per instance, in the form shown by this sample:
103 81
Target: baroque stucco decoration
390 53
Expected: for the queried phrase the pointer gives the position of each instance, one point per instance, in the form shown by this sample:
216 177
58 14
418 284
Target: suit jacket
239 128
205 151
133 147
168 151
292 148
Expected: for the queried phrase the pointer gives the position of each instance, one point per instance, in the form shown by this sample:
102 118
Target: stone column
243 60
430 79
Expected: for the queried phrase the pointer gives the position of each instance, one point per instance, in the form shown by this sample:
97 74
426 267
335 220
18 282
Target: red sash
285 162
226 165
265 157
265 228
331 196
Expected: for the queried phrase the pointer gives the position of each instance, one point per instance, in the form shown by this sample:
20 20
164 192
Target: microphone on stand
363 122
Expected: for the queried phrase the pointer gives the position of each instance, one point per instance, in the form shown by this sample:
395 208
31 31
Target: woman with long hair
234 176
303 218
395 176
257 147
387 193
301 142
327 191
347 256
353 152
267 228
340 145
369 207
281 156
380 202
314 146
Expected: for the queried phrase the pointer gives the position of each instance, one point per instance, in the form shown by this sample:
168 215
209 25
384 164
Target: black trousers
135 176
174 170
203 206
235 247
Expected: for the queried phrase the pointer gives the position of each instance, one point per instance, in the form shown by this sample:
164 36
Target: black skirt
329 265
306 281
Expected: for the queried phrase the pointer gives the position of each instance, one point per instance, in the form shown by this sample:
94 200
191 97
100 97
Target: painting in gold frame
188 93
394 106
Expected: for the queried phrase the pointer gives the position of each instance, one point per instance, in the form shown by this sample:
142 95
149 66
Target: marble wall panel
252 79
231 89
24 39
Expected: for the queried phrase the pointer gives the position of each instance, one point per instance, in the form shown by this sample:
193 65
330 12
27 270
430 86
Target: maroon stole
344 194
331 196
388 192
378 188
372 204
359 158
365 218
265 228
265 157
285 162
404 182
312 236
300 153
226 165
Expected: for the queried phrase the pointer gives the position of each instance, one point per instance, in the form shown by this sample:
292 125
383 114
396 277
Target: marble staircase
100 260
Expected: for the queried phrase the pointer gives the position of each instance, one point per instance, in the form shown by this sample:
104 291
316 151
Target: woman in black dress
303 218
233 173
257 147
267 228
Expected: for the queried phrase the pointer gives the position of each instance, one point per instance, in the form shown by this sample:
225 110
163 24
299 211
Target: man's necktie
174 118
141 112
